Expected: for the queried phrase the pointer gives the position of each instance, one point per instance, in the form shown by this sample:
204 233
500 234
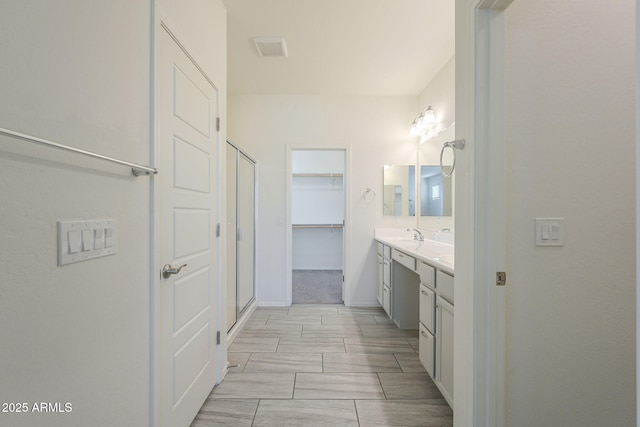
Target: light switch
108 237
74 241
98 238
87 240
545 232
549 232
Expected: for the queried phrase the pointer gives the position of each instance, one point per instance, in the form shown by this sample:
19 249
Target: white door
186 199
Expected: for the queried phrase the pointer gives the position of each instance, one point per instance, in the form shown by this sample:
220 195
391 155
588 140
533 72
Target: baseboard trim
272 304
364 304
237 328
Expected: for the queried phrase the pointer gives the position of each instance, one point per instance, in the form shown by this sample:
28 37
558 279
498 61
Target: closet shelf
317 225
319 175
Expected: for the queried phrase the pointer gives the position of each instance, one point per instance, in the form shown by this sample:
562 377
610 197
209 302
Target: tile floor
324 365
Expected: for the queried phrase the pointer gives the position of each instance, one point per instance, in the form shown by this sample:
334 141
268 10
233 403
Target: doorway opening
317 225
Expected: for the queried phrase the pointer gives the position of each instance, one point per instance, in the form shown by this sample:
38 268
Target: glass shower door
231 227
240 229
246 231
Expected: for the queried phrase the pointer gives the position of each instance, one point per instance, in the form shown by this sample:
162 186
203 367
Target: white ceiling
343 47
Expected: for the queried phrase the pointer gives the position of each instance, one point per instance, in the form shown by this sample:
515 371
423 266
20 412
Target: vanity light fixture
425 125
423 122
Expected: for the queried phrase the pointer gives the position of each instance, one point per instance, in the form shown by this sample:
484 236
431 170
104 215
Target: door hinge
501 278
218 124
218 337
218 230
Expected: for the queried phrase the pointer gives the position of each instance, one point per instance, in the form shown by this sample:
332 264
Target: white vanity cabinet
384 276
416 289
426 350
427 331
444 335
436 327
379 250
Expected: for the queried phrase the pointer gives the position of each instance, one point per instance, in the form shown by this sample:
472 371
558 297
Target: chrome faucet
417 235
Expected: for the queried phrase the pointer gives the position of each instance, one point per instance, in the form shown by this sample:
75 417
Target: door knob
167 270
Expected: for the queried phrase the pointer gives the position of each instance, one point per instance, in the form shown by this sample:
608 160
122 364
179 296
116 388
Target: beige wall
570 135
440 93
79 72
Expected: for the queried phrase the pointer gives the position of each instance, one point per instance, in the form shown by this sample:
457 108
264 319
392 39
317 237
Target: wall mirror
399 190
436 191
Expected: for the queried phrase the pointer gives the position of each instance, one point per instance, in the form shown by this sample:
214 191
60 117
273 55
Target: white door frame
479 356
637 211
346 234
161 22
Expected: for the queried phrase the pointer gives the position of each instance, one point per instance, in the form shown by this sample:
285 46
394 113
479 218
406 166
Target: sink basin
402 239
430 249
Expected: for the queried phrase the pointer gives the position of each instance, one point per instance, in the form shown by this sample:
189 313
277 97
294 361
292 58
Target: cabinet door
444 349
380 278
386 275
426 350
386 300
427 306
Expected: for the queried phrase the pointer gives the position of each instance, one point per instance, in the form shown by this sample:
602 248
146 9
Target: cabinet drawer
404 259
426 350
427 308
386 251
427 275
379 248
444 285
386 300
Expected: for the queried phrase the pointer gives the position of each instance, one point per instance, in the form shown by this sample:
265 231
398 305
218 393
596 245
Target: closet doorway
317 225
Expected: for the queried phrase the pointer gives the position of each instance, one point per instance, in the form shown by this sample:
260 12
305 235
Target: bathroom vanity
415 288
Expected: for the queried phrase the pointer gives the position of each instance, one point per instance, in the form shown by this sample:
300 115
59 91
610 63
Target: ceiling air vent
272 47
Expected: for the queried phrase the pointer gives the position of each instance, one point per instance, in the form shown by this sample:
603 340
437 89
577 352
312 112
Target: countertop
431 251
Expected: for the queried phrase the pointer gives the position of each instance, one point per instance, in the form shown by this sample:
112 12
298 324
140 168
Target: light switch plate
83 240
549 232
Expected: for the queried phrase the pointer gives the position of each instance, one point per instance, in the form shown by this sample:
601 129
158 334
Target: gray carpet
317 286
